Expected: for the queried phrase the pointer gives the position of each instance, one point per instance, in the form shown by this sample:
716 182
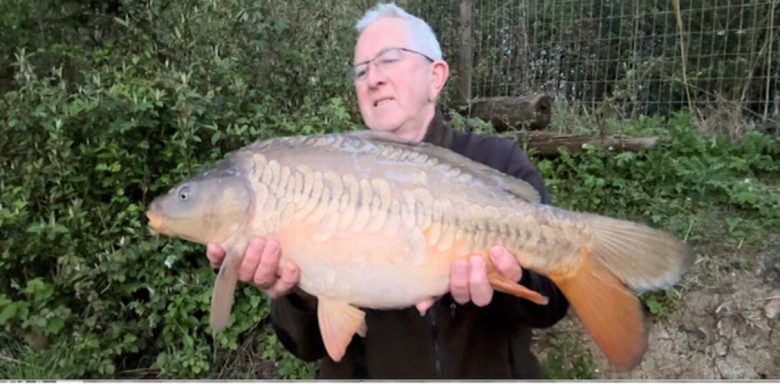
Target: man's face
396 97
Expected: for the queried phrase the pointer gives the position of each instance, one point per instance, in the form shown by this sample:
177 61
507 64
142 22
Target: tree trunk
532 111
548 143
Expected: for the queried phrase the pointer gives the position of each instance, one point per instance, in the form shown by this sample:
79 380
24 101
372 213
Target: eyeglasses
386 59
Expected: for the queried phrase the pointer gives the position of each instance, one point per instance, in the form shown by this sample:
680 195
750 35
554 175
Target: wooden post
465 61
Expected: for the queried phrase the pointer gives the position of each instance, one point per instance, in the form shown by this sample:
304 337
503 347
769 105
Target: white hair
421 36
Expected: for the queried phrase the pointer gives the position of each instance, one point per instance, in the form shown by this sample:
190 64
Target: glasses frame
367 63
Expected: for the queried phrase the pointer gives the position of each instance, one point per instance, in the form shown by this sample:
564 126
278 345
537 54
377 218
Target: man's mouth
382 101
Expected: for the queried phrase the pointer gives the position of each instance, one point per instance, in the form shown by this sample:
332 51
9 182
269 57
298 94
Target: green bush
684 175
93 128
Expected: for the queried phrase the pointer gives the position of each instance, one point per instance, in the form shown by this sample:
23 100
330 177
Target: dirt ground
726 325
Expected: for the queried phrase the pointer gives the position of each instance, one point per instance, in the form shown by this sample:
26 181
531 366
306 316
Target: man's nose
375 76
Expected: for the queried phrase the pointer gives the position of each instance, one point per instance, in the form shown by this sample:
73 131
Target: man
473 332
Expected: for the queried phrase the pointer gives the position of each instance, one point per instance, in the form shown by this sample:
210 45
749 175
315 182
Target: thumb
215 254
506 263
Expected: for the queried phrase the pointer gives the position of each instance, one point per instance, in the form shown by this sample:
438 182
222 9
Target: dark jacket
451 340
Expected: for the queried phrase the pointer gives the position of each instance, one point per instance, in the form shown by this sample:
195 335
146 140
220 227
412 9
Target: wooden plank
549 143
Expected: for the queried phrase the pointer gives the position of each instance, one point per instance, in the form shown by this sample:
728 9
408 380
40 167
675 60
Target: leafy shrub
162 91
686 173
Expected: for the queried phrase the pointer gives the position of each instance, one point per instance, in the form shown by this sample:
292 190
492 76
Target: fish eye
184 193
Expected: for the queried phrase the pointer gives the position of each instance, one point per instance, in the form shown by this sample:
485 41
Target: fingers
260 266
506 263
251 260
215 254
265 275
289 279
459 282
479 287
469 282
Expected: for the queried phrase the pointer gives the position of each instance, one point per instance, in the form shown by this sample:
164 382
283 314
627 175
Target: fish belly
373 270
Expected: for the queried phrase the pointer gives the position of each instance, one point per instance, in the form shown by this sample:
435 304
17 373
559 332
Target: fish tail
622 257
224 291
609 311
642 257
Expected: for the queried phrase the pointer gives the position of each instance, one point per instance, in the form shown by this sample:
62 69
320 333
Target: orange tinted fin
501 283
642 257
224 290
610 312
339 321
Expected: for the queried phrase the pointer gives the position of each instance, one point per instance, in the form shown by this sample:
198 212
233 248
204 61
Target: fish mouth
155 221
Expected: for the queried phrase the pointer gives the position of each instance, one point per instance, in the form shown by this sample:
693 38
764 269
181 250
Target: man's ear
441 72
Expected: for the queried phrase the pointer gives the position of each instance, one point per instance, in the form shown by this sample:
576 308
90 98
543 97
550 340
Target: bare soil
726 324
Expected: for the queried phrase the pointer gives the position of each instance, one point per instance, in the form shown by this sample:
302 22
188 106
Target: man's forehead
391 32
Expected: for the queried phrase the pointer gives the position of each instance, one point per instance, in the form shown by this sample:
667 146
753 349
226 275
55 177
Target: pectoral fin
501 283
224 291
339 321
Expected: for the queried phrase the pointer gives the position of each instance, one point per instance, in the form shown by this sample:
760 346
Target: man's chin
385 127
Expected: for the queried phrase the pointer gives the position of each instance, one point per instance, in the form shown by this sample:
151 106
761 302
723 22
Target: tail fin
609 311
641 257
622 255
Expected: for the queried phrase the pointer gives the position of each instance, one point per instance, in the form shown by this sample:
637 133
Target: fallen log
532 111
549 143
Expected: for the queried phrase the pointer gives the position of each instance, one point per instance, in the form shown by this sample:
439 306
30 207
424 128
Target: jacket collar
439 133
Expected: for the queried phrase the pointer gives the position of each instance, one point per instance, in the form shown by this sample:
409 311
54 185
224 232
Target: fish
376 221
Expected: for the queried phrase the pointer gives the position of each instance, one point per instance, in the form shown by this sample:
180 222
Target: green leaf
655 307
36 228
121 22
7 313
54 326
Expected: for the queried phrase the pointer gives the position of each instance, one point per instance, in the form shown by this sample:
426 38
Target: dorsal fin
494 178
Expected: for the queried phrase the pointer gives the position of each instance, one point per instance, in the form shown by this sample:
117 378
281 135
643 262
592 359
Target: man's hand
260 266
469 282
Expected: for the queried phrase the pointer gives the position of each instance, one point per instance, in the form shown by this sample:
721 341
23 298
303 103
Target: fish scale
374 221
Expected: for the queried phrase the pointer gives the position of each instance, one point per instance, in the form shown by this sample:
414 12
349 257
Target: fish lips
156 222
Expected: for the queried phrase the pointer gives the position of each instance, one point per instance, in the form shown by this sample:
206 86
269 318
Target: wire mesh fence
629 56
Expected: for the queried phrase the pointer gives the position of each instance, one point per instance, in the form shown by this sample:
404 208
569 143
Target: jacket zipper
436 346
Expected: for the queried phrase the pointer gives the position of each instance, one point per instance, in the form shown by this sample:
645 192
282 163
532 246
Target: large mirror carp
374 221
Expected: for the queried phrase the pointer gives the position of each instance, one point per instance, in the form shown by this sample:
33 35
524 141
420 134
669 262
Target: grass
261 356
567 357
21 362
